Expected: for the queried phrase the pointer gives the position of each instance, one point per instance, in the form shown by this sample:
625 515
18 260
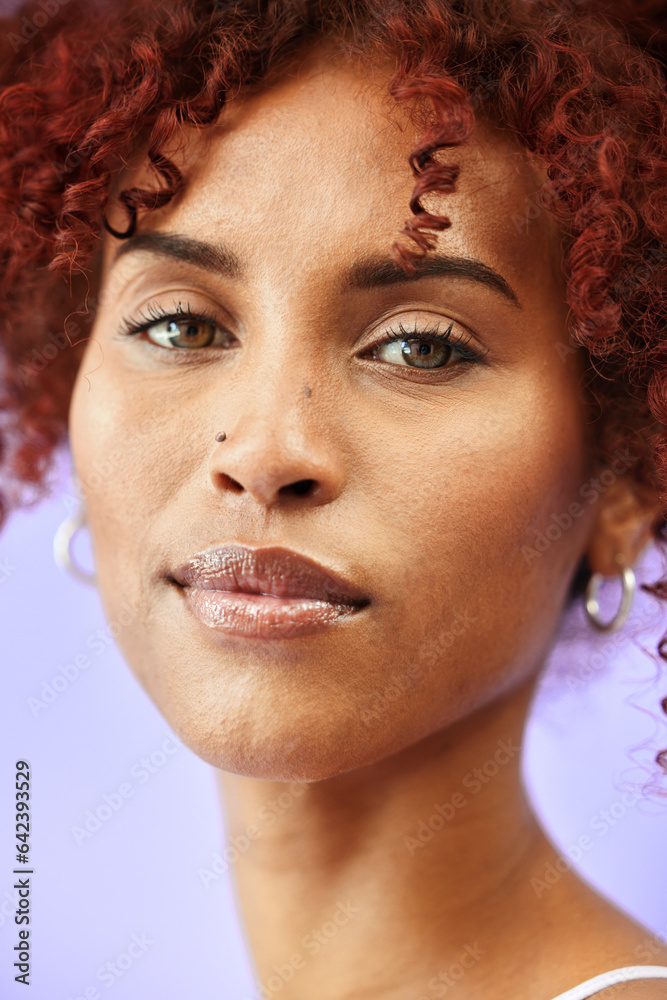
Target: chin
298 743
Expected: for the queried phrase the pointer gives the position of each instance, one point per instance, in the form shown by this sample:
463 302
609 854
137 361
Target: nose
277 451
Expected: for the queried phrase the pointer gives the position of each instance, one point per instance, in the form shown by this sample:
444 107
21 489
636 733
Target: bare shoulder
642 989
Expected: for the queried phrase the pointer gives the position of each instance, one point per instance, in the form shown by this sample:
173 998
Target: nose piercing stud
220 436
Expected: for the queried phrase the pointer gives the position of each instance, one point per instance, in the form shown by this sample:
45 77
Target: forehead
318 164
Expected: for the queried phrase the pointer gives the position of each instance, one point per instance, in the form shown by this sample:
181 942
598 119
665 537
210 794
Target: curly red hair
579 84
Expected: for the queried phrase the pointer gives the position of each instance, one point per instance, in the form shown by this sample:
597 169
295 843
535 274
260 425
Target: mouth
265 593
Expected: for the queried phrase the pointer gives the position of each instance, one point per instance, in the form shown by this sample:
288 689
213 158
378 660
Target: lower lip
258 616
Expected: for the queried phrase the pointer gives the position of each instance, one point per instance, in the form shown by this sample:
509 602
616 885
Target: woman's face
417 473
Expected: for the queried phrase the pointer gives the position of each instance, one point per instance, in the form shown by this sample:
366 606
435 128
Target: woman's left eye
425 348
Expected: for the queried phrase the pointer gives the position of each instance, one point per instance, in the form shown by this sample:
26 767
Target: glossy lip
267 593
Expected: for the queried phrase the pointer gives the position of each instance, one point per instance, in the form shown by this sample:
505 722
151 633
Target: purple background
138 874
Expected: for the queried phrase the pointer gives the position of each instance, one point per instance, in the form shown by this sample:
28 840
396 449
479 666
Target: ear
627 514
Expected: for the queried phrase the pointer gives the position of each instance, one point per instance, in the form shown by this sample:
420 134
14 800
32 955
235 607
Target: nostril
301 487
233 485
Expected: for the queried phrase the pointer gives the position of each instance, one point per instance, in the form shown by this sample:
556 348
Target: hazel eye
186 333
417 352
429 349
182 328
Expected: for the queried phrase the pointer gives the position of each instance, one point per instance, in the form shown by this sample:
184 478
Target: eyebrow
378 272
214 257
368 272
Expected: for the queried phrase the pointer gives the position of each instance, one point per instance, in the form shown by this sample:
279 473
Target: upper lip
273 571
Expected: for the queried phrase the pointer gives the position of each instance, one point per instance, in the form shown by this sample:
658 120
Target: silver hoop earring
63 547
593 607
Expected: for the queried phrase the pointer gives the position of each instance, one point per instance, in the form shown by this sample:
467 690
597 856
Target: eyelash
140 323
459 344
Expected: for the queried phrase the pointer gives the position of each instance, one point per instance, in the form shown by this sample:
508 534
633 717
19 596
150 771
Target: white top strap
605 979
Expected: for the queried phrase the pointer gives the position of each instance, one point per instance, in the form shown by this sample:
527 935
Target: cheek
483 541
482 478
130 456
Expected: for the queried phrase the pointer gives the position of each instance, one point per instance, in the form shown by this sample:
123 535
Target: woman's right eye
182 329
187 333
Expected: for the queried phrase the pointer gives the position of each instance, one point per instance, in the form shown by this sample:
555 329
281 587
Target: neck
387 880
